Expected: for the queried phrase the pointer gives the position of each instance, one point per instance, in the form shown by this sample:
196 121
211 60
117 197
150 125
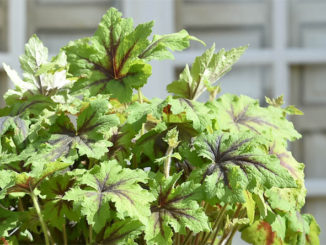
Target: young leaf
158 48
205 71
174 208
40 76
277 102
106 183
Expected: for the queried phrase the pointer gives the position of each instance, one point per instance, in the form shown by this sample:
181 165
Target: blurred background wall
287 54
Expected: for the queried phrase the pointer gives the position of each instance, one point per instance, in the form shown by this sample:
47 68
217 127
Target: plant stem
141 101
38 211
20 205
230 237
228 231
187 238
216 225
167 162
90 229
140 96
235 228
177 239
142 130
64 232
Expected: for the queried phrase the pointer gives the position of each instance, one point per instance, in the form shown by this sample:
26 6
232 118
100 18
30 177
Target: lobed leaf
109 182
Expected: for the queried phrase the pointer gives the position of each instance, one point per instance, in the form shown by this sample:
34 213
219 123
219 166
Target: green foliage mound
84 160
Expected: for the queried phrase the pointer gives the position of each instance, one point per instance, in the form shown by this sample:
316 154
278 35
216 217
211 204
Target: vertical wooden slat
281 70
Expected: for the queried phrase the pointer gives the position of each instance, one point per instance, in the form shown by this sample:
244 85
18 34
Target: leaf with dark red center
174 208
108 62
56 209
87 133
237 163
109 183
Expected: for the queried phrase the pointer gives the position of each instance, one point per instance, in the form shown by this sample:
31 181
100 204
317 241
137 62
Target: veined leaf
174 208
40 76
109 61
89 135
110 183
122 232
205 71
26 182
242 113
292 198
56 209
158 48
238 163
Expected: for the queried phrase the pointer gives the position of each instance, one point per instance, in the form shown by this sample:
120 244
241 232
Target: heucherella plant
85 160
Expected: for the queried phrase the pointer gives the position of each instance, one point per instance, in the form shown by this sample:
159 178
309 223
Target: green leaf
35 55
292 110
312 237
174 209
294 197
17 126
8 221
160 45
237 163
26 182
108 62
205 71
106 183
277 102
122 232
90 134
56 209
242 113
40 76
261 233
7 180
250 206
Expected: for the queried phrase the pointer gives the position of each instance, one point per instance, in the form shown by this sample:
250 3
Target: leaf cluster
85 160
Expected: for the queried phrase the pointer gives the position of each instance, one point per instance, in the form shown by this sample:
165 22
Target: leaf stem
90 229
228 231
167 162
20 205
140 96
64 232
216 225
38 211
187 238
